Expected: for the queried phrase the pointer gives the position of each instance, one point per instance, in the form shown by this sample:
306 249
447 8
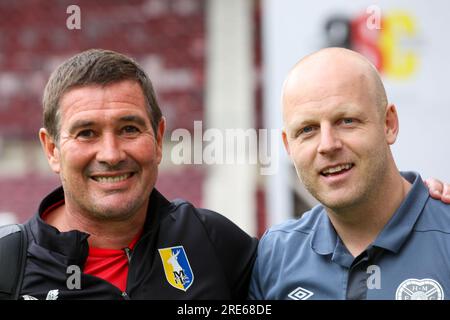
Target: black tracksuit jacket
220 256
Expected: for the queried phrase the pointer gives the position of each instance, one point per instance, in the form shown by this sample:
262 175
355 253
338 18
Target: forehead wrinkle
314 105
133 118
81 124
126 92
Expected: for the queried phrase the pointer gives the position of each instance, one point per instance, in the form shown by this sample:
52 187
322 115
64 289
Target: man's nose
110 150
329 140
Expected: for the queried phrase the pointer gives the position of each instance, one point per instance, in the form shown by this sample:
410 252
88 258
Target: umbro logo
300 294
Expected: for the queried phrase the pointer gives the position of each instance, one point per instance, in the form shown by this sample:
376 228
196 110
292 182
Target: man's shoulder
213 240
6 230
183 209
435 217
216 226
302 226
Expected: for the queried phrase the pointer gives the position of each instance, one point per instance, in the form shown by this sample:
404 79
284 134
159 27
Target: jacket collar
73 244
401 224
326 241
324 237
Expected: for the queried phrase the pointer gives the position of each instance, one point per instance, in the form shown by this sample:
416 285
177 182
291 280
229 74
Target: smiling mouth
332 171
110 179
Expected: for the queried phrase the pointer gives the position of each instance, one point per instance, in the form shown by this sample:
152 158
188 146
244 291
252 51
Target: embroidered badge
415 289
176 267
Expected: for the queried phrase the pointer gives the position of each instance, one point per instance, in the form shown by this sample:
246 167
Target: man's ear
50 150
391 124
160 137
285 141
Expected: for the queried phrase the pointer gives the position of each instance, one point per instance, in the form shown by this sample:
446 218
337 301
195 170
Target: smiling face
108 154
334 130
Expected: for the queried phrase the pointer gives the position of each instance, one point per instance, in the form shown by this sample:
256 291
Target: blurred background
220 64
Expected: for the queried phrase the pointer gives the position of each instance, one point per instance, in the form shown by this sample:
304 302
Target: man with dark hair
107 233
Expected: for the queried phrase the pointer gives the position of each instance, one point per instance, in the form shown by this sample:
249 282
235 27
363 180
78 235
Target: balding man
377 234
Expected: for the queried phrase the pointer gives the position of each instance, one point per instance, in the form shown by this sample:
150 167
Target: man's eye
347 121
130 129
85 134
307 129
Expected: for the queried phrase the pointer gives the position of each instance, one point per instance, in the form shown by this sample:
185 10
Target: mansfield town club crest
423 289
176 267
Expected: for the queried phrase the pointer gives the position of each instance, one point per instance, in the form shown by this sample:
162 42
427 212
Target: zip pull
125 296
128 252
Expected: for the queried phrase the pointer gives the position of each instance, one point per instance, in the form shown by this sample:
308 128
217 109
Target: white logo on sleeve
300 294
51 295
415 289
